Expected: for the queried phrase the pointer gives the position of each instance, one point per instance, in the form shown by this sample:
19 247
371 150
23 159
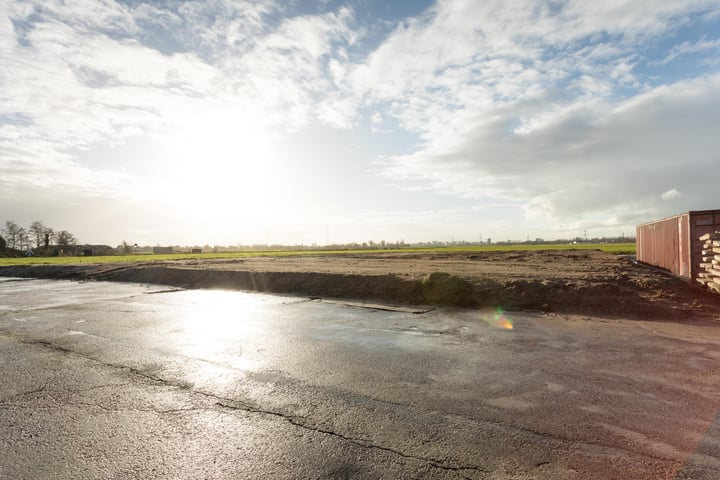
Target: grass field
615 248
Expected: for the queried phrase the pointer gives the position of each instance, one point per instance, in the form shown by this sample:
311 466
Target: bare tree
37 231
65 238
12 233
23 239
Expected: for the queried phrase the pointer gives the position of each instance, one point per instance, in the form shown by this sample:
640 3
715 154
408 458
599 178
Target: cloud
671 194
687 48
298 69
574 112
493 43
93 73
546 105
586 158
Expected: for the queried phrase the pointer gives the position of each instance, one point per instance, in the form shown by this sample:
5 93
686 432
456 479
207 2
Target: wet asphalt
103 380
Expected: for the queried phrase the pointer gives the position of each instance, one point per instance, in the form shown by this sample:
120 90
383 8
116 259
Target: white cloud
89 15
671 194
297 68
686 48
528 107
546 106
581 160
494 41
77 84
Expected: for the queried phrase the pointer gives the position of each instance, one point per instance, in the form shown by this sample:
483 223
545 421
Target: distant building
94 250
163 250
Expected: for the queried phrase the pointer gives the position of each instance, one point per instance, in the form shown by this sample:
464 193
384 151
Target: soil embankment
571 281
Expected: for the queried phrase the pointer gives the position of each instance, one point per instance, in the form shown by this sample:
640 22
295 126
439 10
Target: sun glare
222 167
222 327
498 318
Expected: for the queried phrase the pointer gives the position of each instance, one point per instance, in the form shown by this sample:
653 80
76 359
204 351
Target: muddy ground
572 281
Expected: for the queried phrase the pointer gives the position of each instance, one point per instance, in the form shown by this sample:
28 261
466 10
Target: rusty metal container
672 243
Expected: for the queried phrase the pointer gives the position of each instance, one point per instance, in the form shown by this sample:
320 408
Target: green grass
614 248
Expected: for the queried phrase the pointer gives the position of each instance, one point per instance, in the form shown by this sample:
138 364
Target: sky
229 122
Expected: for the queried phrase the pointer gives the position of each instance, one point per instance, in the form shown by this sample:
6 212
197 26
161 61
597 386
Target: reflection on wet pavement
454 392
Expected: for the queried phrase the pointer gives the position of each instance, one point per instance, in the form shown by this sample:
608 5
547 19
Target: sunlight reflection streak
222 328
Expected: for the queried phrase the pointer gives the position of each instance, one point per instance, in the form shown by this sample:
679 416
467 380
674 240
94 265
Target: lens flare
498 319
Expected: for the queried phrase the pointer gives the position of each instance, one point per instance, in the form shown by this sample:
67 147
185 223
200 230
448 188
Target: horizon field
613 248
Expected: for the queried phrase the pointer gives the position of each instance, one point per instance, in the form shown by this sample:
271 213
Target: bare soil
572 281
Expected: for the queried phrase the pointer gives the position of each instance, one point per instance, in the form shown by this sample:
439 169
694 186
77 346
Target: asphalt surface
103 380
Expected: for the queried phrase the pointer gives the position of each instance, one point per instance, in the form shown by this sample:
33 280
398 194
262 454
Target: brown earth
571 281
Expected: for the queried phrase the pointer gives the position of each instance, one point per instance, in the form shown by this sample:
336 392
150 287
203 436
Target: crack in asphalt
235 405
169 290
98 387
125 410
301 422
562 438
23 394
63 404
44 387
576 442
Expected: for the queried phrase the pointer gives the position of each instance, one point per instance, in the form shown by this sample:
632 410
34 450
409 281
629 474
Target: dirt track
572 281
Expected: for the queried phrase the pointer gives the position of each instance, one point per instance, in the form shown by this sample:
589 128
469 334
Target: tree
23 240
37 231
12 231
2 244
65 238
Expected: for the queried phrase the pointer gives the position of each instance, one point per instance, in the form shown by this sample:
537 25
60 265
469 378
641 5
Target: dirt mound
572 281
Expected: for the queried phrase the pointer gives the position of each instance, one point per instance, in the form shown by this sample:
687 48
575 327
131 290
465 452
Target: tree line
37 236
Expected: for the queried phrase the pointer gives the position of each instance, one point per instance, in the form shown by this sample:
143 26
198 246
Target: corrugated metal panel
658 243
672 243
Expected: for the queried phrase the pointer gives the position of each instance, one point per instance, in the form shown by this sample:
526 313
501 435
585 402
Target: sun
222 167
